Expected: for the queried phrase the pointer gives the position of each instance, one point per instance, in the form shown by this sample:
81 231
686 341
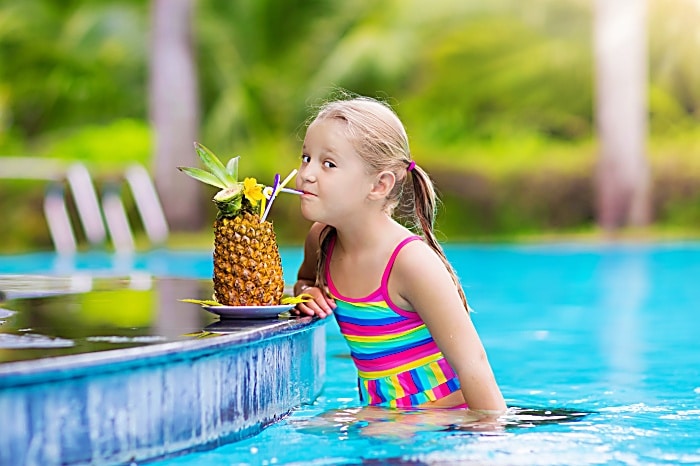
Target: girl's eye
305 158
329 164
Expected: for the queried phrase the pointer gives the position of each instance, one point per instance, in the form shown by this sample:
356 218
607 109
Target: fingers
312 308
322 306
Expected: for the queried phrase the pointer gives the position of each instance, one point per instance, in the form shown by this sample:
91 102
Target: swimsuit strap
392 259
387 270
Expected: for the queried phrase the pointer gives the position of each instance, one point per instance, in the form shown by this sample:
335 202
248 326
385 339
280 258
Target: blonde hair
380 139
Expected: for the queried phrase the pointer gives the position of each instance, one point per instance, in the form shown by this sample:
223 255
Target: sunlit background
498 97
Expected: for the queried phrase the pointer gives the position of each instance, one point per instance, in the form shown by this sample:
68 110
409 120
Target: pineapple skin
247 263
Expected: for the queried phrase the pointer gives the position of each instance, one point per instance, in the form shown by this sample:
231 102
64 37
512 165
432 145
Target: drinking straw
275 186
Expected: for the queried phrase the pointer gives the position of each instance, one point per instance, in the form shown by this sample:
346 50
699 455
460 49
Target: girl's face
332 175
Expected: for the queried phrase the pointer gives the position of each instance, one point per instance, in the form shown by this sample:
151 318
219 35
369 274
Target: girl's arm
322 305
437 301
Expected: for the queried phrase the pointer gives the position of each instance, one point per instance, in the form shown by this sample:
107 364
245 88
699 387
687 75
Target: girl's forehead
329 137
327 131
328 124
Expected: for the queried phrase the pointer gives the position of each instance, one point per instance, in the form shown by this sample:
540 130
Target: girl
395 297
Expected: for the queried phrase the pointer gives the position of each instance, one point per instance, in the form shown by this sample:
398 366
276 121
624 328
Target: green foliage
674 63
70 65
23 226
479 69
500 90
115 145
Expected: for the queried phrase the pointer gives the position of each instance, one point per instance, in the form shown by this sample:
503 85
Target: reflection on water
115 339
172 315
31 340
402 424
624 281
47 317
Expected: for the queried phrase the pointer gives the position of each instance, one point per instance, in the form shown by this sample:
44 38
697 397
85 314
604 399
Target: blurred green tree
67 64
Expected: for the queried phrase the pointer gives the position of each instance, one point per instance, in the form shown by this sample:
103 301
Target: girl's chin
310 216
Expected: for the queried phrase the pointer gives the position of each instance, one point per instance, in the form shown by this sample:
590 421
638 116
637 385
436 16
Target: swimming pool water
596 349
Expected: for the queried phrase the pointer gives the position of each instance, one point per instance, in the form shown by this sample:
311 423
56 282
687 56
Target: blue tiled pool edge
149 402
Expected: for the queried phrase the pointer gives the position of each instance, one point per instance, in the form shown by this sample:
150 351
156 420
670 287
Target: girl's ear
383 185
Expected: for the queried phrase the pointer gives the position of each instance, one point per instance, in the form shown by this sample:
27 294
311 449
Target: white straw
275 192
292 191
269 203
289 177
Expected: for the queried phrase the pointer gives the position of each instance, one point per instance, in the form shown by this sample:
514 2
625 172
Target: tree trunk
620 49
174 111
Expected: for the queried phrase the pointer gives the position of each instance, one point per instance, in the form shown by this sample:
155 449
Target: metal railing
94 212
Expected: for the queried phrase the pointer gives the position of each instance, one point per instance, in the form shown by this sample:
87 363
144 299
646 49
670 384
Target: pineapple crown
235 197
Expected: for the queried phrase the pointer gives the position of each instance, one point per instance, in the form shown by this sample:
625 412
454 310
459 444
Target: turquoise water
596 349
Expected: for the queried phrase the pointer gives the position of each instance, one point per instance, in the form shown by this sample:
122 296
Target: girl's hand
322 306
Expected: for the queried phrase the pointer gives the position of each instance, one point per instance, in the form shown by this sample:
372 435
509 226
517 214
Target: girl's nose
306 174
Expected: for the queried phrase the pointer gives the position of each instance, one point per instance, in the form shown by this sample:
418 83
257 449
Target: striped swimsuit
398 363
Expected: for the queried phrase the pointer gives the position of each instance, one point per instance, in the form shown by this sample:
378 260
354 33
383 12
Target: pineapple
247 263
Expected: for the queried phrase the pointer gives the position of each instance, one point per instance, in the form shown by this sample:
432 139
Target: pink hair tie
411 166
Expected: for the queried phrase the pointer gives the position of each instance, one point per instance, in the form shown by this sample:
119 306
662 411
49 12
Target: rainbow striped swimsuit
398 363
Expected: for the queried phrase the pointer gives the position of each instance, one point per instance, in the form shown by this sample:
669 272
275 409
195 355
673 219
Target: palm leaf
203 176
214 165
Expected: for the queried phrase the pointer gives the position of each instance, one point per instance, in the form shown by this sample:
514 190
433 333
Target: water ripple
30 340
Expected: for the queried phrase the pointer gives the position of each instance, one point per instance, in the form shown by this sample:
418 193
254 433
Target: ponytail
425 208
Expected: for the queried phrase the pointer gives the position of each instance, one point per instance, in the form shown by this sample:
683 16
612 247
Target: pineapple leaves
214 165
232 168
203 176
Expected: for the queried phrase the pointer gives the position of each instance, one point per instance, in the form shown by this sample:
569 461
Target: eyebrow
325 152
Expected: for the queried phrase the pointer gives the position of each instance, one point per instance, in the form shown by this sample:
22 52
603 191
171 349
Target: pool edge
145 403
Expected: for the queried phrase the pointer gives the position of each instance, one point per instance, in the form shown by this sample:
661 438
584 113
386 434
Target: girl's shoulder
419 274
416 257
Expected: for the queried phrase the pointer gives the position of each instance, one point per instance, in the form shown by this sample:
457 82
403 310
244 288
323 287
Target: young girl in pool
395 296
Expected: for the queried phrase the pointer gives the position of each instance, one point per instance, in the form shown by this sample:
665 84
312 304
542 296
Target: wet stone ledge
134 404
